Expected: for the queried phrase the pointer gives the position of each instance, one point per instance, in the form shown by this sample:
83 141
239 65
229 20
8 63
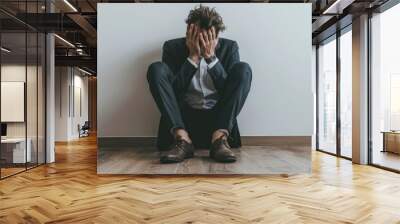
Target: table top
13 140
390 132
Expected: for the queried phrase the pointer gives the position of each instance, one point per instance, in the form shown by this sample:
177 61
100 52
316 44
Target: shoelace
179 144
225 140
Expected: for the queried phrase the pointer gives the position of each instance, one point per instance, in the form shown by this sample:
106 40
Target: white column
314 87
50 100
360 90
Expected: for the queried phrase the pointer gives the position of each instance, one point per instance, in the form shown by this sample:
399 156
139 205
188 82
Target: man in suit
199 87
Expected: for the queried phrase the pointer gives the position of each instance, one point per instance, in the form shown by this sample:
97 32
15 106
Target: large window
385 89
335 94
327 96
346 93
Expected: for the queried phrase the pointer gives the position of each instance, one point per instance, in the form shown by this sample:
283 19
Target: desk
13 150
391 141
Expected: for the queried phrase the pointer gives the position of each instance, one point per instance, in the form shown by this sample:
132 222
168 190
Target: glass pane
32 95
32 86
22 88
41 98
14 153
327 97
386 89
346 94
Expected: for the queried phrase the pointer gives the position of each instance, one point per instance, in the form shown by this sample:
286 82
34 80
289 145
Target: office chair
84 130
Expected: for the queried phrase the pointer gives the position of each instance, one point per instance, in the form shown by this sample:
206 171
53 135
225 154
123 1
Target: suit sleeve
183 73
218 71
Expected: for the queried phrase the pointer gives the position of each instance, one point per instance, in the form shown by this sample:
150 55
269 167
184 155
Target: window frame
334 37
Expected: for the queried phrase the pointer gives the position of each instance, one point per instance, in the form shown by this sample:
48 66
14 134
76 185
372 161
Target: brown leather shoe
178 152
221 151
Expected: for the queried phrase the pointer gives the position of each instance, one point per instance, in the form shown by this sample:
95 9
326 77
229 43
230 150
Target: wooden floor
5 172
70 191
250 160
9 171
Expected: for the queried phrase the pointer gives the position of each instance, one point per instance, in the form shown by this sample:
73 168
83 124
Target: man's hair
206 17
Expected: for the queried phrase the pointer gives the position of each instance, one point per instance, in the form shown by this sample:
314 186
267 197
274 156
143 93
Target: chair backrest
86 125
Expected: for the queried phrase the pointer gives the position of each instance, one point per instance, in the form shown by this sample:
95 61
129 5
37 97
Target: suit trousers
200 124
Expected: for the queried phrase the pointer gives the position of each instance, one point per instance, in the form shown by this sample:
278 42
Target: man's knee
157 71
241 71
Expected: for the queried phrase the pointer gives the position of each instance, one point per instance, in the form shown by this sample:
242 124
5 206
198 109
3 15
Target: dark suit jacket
175 53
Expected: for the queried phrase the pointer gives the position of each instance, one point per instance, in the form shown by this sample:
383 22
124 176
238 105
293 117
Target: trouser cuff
225 131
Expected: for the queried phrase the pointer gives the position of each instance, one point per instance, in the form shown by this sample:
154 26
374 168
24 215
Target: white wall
19 73
33 126
67 80
275 39
15 73
61 103
80 84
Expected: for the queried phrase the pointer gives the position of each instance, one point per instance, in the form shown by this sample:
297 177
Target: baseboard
246 141
276 140
126 141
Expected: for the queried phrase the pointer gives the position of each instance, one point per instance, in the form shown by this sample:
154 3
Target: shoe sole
223 160
226 160
171 160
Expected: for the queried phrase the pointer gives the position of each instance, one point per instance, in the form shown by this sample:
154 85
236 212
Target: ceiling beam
83 61
338 6
86 27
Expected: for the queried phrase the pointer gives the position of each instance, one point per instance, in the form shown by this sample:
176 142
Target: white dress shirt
201 93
